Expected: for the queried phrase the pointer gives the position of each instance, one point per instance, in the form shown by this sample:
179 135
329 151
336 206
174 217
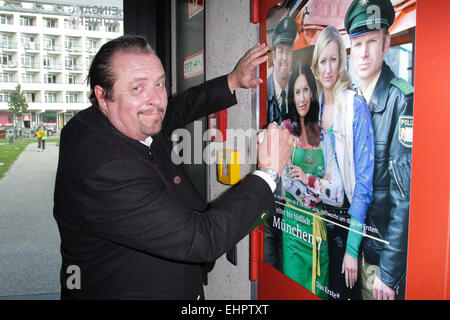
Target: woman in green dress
310 178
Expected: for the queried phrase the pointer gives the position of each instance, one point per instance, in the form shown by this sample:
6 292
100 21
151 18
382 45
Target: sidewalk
29 239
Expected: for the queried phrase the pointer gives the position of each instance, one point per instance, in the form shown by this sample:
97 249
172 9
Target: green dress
305 247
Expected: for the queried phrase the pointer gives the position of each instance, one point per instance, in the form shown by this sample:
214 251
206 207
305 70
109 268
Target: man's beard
147 131
155 127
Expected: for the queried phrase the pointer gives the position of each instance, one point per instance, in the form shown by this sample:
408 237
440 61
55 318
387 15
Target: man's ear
100 95
387 43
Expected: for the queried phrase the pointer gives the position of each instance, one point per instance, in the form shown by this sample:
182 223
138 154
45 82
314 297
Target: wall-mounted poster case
340 77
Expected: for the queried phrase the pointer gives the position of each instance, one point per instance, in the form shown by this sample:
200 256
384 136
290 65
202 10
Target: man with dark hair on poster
382 268
283 37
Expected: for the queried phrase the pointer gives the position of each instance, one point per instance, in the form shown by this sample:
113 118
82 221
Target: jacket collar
116 132
270 88
381 92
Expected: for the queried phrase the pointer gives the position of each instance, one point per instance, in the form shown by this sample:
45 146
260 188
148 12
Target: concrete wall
228 35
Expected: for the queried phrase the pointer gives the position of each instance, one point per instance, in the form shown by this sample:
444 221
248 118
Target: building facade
47 48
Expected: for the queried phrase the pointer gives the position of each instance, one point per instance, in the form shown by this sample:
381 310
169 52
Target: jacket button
177 180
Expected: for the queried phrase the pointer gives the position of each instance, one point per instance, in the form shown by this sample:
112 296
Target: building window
71 79
5 77
91 46
92 26
71 63
27 42
6 60
28 61
50 97
49 78
71 45
5 41
71 97
26 21
111 27
4 96
50 23
30 96
49 62
49 43
27 78
46 61
71 24
5 19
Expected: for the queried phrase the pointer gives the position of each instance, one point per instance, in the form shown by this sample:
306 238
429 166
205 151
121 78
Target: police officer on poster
382 268
283 37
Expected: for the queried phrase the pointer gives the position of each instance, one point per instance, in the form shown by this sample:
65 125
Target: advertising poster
340 77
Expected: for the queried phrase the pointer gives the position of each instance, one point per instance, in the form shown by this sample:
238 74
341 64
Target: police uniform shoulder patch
403 85
405 131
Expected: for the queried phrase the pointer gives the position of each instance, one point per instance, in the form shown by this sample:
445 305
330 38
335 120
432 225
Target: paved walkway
29 237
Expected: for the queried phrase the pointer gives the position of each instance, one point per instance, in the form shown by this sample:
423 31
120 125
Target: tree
17 103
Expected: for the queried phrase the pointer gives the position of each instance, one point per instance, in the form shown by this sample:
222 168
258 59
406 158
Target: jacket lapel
380 94
173 176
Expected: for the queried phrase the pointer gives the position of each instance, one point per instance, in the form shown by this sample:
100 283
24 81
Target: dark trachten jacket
388 215
273 109
131 220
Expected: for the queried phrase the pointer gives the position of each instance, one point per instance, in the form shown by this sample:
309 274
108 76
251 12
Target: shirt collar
278 88
367 94
148 141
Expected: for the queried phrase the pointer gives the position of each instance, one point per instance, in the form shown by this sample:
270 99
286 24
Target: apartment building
47 48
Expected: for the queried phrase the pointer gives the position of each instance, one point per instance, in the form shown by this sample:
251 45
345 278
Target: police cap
284 32
368 15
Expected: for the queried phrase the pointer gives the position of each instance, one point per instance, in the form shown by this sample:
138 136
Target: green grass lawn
9 152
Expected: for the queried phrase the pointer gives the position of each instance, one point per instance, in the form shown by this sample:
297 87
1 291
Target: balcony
31 46
74 67
53 66
8 79
92 50
74 82
74 49
31 66
8 45
52 48
11 64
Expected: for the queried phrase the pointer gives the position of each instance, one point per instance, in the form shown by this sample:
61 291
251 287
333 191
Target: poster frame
429 239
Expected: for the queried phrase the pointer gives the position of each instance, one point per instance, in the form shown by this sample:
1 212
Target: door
190 72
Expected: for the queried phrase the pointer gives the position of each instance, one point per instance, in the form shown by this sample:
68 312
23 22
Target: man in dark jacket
390 99
283 37
132 225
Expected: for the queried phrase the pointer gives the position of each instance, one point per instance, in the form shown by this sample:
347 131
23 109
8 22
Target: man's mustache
154 110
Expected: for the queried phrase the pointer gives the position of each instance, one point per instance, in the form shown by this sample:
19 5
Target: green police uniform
283 34
392 106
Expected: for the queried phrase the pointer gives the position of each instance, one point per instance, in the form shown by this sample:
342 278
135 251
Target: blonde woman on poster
346 118
310 178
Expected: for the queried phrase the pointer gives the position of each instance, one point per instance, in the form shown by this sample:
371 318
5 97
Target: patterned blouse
328 188
363 155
